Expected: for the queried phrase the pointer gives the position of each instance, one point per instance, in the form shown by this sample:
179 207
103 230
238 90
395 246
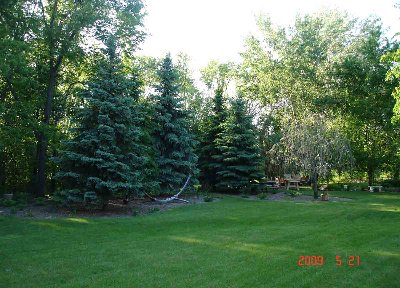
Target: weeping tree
314 147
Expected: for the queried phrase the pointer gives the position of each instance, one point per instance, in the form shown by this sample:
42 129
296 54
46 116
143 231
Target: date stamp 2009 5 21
314 260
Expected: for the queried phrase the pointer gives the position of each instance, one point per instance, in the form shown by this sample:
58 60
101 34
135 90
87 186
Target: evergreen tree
106 155
210 160
174 141
240 153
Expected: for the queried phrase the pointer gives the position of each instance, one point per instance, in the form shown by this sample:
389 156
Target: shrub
392 189
20 206
255 188
23 198
208 199
335 187
9 203
295 193
391 183
40 201
29 214
262 196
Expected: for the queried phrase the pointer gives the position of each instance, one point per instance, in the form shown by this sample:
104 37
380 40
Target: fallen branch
172 198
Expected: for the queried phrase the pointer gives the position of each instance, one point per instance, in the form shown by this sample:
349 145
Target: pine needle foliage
240 153
106 154
174 142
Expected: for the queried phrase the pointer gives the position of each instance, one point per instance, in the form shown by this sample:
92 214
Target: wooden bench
372 188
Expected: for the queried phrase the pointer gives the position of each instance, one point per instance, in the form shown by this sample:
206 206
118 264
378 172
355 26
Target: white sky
215 29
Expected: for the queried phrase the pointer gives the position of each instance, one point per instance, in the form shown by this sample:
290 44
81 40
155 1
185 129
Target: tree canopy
81 112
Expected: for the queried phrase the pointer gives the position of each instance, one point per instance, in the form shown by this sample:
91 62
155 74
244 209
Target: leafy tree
287 68
18 97
366 103
393 58
193 99
328 64
240 153
174 141
52 35
106 154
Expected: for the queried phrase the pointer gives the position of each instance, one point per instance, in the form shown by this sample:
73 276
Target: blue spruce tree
174 142
106 154
210 160
240 152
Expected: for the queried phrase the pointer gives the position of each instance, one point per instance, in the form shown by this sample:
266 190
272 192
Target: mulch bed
115 208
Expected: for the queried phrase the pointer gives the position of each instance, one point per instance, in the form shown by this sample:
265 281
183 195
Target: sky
216 29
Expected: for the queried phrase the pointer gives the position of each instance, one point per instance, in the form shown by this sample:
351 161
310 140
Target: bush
23 198
255 188
392 189
8 203
40 201
391 183
29 214
295 193
262 196
20 206
335 187
208 199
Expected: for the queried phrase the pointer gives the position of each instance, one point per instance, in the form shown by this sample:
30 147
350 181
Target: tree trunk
370 176
2 171
42 138
314 184
41 165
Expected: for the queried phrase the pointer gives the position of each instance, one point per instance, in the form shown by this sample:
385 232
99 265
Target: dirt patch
114 209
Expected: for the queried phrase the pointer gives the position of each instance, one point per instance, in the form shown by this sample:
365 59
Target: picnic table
292 183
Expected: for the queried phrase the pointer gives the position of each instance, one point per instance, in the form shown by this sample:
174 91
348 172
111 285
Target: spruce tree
240 153
210 160
106 154
174 141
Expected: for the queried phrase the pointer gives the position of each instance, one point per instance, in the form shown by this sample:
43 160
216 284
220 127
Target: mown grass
234 242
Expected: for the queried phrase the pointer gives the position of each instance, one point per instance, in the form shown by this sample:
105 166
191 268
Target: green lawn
230 243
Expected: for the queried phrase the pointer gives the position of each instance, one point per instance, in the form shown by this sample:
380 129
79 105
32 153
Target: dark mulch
115 208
